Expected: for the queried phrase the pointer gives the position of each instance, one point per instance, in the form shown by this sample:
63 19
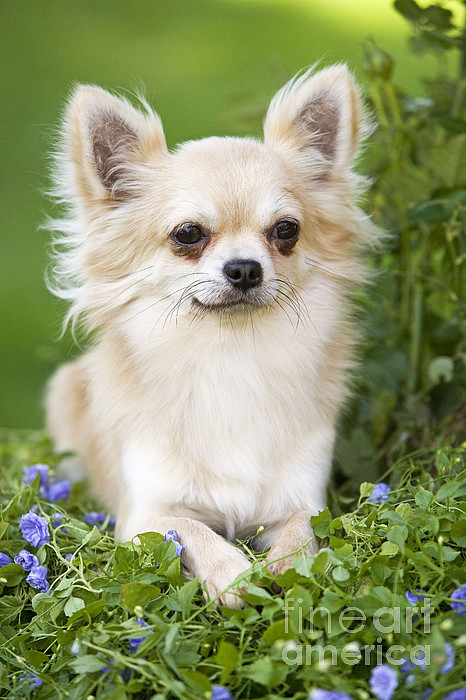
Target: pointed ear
317 116
106 140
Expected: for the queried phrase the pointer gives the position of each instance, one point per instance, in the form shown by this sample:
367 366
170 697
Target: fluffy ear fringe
103 148
105 139
320 115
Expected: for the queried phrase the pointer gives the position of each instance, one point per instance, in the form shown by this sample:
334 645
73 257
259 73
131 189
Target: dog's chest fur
234 423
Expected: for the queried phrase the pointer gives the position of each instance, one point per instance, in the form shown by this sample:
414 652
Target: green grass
75 638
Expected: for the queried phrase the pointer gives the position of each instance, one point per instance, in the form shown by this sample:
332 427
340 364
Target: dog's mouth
234 305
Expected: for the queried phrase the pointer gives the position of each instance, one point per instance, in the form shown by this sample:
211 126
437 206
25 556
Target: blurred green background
207 66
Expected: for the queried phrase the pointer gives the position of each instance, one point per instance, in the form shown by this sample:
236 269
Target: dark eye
188 234
286 229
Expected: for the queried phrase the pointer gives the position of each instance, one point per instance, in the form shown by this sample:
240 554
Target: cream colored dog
215 279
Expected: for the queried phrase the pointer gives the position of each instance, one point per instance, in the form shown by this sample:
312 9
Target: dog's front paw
219 577
284 552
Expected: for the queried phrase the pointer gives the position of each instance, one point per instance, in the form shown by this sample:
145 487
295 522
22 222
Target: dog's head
219 225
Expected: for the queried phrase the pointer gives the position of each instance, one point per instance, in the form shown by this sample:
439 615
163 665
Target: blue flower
380 493
415 599
383 682
450 656
98 519
459 598
34 681
319 694
37 578
30 474
221 693
172 536
58 490
57 520
135 643
4 559
459 694
26 560
34 529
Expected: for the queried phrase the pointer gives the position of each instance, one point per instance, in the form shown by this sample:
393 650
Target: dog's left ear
318 117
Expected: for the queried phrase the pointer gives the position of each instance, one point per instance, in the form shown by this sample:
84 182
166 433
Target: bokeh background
207 66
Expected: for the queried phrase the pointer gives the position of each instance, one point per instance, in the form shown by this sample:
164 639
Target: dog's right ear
107 140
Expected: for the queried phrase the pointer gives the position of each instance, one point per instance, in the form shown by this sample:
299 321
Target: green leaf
442 463
450 554
398 535
36 658
186 594
339 573
458 532
321 523
405 512
72 605
304 566
10 607
267 672
134 593
198 682
379 570
12 574
423 497
366 489
3 528
227 658
87 664
277 630
92 537
88 612
389 549
449 490
150 540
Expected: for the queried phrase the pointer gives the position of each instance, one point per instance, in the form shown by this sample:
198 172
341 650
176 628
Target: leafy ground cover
379 612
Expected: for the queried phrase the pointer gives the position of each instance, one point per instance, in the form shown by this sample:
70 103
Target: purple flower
135 643
172 536
383 682
319 694
37 578
459 694
58 490
415 599
450 656
221 693
459 600
34 681
4 559
98 519
380 493
27 560
57 520
30 474
34 529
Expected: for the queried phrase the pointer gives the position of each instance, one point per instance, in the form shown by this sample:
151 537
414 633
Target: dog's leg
206 555
296 536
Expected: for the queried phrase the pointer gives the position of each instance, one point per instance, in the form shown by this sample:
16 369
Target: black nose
243 274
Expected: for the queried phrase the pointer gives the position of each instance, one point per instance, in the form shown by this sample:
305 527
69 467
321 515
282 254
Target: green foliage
413 383
339 613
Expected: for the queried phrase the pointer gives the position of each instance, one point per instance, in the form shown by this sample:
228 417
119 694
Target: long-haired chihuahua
215 280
